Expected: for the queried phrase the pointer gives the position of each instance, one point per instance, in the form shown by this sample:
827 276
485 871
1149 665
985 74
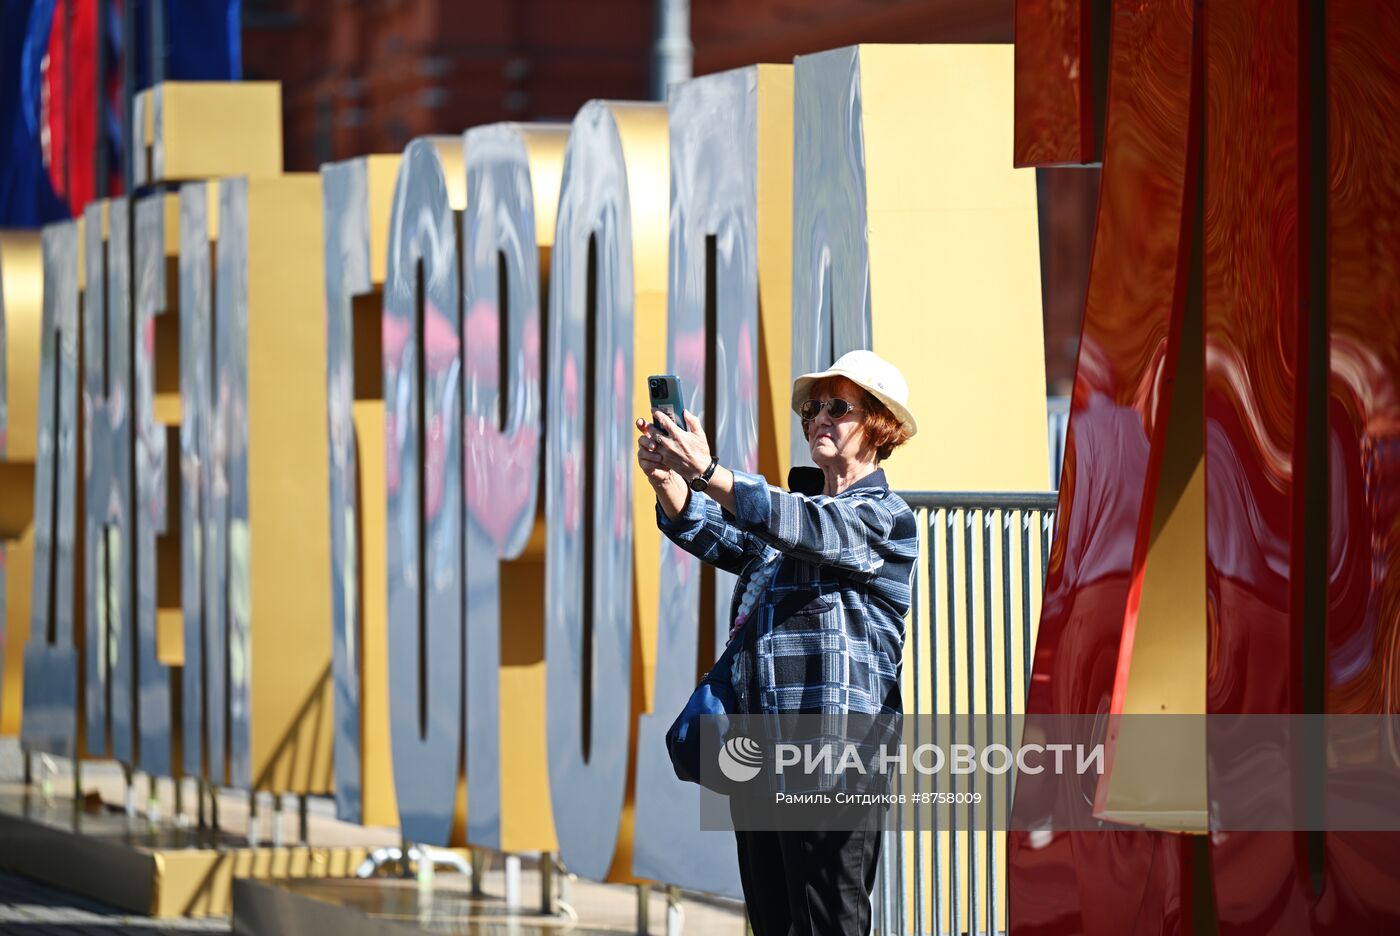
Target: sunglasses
837 408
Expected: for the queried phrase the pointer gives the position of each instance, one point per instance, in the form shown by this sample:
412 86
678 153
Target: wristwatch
700 482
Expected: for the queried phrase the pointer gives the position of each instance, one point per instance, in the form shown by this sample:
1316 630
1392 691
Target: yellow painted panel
646 146
204 129
383 173
377 803
775 87
18 569
199 882
16 499
166 405
170 636
547 171
22 279
288 500
955 265
527 821
21 304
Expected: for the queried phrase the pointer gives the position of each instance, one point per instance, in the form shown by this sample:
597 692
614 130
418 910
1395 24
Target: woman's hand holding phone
649 456
683 449
668 452
671 490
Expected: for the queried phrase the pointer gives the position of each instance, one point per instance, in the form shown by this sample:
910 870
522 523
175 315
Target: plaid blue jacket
827 635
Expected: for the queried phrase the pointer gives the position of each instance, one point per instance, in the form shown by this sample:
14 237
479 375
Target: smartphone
665 390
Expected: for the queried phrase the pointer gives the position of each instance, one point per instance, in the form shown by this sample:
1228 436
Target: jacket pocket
803 604
807 649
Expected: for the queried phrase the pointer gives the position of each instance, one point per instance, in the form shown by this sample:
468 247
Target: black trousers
806 882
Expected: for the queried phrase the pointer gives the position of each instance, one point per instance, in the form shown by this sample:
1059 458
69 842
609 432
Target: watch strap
702 481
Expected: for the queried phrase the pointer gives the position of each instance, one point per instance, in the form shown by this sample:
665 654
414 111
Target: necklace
758 584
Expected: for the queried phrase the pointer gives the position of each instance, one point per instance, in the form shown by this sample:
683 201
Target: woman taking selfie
828 567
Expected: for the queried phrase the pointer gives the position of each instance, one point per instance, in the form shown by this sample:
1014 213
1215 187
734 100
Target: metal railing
976 606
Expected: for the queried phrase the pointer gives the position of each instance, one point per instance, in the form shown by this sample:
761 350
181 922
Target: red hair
883 429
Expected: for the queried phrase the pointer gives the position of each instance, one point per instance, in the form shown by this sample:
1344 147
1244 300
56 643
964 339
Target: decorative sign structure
485 550
356 197
328 480
1226 541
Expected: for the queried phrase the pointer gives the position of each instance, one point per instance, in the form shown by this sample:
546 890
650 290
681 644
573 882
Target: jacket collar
875 479
805 479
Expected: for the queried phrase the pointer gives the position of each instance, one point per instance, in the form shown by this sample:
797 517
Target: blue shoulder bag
714 696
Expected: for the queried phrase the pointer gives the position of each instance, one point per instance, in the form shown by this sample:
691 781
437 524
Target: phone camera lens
656 385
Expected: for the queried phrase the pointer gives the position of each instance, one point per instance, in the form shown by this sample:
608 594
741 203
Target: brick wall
733 33
362 76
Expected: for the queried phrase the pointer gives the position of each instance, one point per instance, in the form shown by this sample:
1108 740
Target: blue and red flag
57 112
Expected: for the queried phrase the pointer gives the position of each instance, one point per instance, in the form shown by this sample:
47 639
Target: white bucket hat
868 370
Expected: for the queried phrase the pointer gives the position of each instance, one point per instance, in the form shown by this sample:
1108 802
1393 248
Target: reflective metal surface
157 241
423 557
1136 286
346 190
141 105
229 492
1279 597
52 660
1363 412
1055 79
115 511
201 529
96 480
714 206
502 417
156 138
830 250
1254 436
357 196
594 293
1274 173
